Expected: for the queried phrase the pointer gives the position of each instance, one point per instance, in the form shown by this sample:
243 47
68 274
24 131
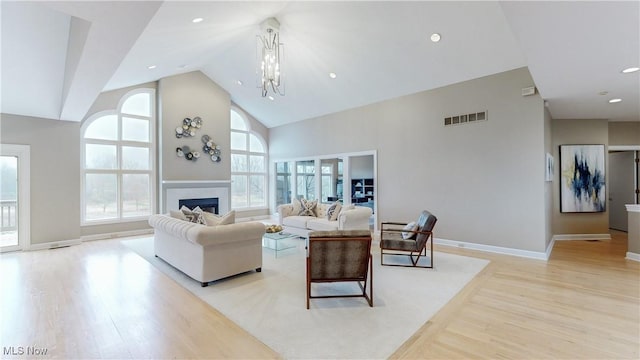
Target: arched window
248 165
117 152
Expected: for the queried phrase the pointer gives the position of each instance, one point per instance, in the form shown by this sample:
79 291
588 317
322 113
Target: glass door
15 233
9 203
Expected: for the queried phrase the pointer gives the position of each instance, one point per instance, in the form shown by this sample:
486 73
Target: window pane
237 122
256 163
136 199
238 163
135 129
255 145
238 141
135 158
326 187
138 104
257 190
104 128
100 156
306 187
239 196
101 196
283 189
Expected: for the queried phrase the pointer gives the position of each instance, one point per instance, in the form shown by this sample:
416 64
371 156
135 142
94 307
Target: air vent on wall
465 118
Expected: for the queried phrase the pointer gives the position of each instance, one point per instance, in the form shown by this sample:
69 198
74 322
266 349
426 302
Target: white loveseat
350 218
208 253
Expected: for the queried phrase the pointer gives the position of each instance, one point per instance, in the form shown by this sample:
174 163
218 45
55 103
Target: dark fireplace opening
206 204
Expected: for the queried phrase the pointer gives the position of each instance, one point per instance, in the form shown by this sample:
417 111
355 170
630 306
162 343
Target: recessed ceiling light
630 70
151 67
239 82
603 93
182 66
197 20
612 101
435 37
271 98
333 75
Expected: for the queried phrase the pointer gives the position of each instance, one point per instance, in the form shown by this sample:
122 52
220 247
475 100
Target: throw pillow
308 207
334 210
297 205
177 215
215 220
194 216
412 226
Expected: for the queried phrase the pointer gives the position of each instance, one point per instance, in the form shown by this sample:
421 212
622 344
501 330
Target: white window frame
119 172
248 153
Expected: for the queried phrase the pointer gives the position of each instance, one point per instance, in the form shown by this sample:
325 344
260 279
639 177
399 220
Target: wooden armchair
339 256
415 241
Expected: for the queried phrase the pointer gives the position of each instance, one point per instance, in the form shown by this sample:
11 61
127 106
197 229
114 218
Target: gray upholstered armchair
397 238
338 256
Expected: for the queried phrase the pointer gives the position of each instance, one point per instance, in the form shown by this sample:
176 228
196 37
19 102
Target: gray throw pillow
334 210
308 207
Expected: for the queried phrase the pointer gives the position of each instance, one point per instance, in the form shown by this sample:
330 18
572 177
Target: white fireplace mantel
174 190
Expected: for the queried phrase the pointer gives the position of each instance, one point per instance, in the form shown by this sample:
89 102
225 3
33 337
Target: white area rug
271 305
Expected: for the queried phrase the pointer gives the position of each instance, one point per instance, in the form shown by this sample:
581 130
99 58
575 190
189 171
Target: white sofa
208 253
350 218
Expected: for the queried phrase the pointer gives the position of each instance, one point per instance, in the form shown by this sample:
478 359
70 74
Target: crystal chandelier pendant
269 53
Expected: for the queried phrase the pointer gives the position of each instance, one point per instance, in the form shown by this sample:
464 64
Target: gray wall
190 95
579 131
624 133
361 167
55 174
548 187
484 181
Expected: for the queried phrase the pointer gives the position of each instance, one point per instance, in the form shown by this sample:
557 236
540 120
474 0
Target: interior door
621 188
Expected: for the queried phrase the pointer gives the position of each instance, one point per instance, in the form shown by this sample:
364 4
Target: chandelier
270 54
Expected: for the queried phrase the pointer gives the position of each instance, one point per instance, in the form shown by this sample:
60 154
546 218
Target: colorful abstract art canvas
582 178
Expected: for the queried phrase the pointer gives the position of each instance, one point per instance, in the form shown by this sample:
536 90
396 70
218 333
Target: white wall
484 181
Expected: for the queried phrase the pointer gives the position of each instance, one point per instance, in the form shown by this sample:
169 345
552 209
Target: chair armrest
354 219
284 210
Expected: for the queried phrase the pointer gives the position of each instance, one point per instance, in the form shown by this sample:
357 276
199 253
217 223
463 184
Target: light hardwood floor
100 300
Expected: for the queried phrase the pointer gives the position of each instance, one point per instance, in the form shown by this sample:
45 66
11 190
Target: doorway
14 197
623 182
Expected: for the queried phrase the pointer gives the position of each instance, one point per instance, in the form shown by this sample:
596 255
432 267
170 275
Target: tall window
248 165
117 160
306 179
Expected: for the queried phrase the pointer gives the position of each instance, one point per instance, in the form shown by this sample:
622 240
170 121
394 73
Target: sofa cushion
297 206
322 224
177 215
211 219
308 207
297 221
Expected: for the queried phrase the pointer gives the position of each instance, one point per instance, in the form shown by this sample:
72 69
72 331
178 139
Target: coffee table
274 241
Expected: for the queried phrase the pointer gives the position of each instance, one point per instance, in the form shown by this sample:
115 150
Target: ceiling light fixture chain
269 53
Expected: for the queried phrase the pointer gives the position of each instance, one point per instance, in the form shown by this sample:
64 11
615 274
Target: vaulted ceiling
57 57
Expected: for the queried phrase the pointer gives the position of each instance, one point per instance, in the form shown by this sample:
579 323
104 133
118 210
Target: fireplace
206 204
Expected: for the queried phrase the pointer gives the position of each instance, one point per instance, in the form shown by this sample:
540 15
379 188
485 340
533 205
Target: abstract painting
582 178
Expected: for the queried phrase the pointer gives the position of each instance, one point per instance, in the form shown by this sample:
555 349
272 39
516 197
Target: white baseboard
114 235
54 244
564 237
633 256
497 249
